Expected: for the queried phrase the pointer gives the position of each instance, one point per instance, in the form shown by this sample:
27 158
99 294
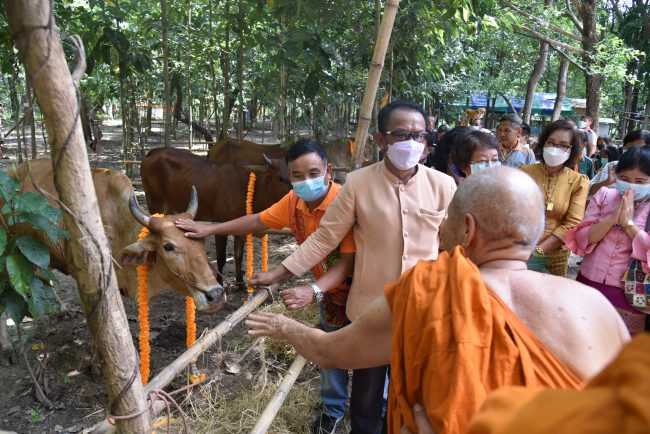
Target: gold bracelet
539 251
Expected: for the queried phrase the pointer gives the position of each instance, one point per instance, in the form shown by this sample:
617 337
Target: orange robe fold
617 401
454 341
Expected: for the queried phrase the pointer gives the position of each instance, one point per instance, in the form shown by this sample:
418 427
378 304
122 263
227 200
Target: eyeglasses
561 146
401 135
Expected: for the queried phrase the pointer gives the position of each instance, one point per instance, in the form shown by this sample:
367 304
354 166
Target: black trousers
367 400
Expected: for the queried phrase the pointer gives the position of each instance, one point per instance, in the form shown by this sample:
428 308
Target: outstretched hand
273 325
298 297
278 275
194 229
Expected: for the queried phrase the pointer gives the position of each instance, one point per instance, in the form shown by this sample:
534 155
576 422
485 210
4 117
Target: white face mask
405 155
555 156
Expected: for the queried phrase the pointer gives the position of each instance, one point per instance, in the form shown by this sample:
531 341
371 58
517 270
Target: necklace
547 187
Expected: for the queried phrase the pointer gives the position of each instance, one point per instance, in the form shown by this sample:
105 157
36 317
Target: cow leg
239 244
220 252
7 355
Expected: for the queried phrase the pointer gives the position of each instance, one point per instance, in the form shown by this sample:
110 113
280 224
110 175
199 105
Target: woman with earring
563 189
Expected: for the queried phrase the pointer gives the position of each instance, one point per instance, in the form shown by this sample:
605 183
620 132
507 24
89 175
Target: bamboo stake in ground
365 113
274 405
88 255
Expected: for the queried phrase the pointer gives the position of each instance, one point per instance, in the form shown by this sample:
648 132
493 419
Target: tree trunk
149 113
124 114
31 120
561 89
593 82
240 71
646 118
181 116
15 108
282 118
167 97
370 93
225 70
628 89
537 73
88 257
213 76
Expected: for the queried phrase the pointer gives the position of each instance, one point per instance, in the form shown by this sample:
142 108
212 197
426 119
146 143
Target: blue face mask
640 191
582 124
310 189
477 167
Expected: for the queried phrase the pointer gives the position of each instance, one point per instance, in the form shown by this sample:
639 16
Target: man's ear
328 171
137 253
469 230
519 132
379 138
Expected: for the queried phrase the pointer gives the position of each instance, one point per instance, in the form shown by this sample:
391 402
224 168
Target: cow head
277 167
179 261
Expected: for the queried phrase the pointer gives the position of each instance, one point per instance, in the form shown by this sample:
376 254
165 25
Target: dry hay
235 408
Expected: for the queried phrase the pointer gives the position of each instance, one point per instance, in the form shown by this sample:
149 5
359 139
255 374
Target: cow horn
267 159
138 213
193 206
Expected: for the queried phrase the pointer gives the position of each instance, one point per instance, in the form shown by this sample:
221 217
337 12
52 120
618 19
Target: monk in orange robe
474 320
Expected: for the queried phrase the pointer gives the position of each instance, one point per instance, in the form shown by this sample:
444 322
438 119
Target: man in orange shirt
473 320
301 210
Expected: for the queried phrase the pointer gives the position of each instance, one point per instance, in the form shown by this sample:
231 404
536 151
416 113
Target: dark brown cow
174 261
229 150
168 175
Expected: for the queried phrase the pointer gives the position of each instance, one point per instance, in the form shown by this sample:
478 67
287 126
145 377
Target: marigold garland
249 238
265 253
143 317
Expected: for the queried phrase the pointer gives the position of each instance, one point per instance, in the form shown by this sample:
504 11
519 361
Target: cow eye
168 247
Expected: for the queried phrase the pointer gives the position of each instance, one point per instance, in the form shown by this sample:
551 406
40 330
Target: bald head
506 204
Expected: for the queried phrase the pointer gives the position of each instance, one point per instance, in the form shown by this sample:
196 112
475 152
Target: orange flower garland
143 315
190 312
265 253
249 238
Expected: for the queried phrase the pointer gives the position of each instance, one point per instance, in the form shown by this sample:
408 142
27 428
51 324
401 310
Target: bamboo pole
166 376
33 27
365 114
274 405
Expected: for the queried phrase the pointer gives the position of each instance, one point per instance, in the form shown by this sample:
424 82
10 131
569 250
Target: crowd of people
444 276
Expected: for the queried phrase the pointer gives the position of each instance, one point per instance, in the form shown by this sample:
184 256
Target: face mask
582 124
604 161
554 156
640 191
310 189
584 152
405 155
477 167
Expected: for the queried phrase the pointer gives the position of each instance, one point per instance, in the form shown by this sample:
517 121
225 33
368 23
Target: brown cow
174 261
229 150
168 175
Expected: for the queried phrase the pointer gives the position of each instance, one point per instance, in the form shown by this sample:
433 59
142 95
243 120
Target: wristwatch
628 224
318 294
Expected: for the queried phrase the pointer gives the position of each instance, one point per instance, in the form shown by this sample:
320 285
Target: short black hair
525 129
636 135
585 116
512 118
635 158
466 144
444 128
584 136
443 149
384 114
605 139
613 154
304 147
576 145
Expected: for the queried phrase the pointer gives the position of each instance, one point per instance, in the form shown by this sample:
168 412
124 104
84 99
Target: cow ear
137 253
258 170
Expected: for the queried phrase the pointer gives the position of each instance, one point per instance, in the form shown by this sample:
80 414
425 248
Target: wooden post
274 405
385 30
88 257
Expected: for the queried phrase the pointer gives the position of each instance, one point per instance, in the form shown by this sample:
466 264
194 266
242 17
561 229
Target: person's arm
334 226
301 296
597 231
365 343
240 226
576 210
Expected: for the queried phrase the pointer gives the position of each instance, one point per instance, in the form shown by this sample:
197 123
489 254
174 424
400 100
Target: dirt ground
59 351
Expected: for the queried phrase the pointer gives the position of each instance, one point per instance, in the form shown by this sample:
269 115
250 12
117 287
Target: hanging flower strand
249 237
143 314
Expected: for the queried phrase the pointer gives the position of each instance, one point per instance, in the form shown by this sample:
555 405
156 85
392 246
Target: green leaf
34 250
43 300
3 240
16 306
20 272
8 187
43 224
47 274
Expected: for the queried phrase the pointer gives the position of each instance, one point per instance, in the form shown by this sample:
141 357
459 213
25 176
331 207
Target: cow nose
215 295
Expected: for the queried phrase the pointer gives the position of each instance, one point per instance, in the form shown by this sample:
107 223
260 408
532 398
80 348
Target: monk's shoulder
413 286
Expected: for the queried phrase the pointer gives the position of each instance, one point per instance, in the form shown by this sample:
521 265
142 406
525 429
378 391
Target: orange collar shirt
292 212
394 224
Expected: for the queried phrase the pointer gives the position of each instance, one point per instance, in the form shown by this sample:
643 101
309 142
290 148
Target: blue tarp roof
542 103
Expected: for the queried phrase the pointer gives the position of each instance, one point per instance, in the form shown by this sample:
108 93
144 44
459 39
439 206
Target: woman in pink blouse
612 233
